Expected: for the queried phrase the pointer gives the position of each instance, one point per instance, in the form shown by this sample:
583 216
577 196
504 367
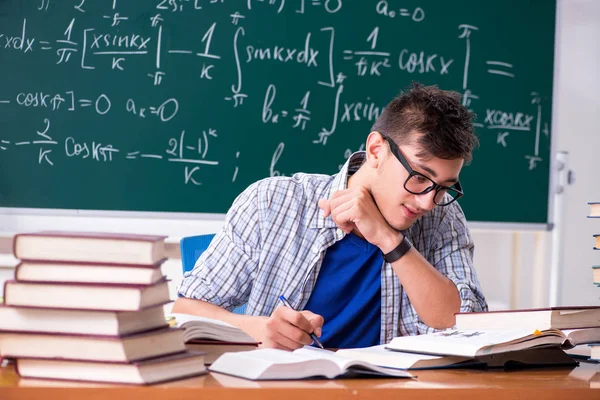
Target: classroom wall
511 272
577 125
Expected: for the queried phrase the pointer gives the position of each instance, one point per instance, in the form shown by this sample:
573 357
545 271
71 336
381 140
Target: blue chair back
191 248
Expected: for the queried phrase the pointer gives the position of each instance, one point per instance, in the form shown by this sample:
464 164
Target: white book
379 355
306 362
475 343
570 317
201 328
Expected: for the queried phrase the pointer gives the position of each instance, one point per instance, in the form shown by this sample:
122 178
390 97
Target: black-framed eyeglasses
417 183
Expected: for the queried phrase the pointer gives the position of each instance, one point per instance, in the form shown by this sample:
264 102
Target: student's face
398 206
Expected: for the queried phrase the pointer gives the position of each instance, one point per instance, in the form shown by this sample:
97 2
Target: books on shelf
89 296
154 370
90 247
88 322
533 318
306 362
135 347
201 328
594 209
64 271
379 355
475 343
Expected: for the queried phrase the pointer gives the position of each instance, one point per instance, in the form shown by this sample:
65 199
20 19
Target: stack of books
89 306
595 213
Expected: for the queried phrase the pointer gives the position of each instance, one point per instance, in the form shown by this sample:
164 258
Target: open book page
471 343
197 327
274 364
580 336
379 355
346 363
267 364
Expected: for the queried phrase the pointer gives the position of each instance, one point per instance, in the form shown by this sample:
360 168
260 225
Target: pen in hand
312 335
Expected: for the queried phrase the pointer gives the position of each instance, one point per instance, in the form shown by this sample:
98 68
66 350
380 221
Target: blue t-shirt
348 294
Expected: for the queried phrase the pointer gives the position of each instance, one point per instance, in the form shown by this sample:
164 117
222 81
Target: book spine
17 269
14 244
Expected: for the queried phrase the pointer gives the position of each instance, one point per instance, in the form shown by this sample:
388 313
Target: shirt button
315 250
339 233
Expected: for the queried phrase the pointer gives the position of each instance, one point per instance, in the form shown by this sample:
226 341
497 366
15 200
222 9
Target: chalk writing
220 93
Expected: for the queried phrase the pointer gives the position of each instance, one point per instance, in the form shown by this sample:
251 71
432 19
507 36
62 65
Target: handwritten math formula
216 94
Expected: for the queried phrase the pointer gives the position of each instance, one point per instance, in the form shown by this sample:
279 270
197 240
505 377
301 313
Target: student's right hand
286 329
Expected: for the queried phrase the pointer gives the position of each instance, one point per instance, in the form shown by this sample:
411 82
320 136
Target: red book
85 296
139 346
91 322
160 369
94 247
67 271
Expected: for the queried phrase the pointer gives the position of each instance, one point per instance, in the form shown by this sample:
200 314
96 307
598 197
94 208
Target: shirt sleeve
452 254
224 272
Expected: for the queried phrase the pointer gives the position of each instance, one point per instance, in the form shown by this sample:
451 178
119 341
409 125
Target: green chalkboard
178 105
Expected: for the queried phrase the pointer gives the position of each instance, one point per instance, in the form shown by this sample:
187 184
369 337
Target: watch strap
399 251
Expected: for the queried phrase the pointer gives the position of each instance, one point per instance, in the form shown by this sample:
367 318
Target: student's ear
375 149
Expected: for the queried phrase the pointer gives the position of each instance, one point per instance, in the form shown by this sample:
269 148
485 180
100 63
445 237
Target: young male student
379 250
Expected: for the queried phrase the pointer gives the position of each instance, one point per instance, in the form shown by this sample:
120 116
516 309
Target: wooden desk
554 383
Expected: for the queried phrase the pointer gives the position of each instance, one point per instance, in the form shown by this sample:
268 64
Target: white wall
578 131
509 279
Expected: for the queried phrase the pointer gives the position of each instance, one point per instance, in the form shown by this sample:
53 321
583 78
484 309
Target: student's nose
425 201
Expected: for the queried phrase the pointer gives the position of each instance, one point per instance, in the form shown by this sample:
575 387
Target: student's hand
355 209
287 329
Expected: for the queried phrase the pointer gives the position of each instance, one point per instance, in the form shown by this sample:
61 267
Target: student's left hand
355 209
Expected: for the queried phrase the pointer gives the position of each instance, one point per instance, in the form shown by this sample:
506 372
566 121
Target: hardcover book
95 247
533 318
154 370
129 348
63 271
85 295
90 322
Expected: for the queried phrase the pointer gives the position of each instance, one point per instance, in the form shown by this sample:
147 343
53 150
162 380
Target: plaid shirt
275 238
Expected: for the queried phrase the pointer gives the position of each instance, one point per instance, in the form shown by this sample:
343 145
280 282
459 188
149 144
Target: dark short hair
438 115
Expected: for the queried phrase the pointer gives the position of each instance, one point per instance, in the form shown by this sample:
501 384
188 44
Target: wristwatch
399 251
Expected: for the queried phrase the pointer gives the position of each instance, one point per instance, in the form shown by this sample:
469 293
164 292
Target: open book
475 343
202 329
306 362
379 355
